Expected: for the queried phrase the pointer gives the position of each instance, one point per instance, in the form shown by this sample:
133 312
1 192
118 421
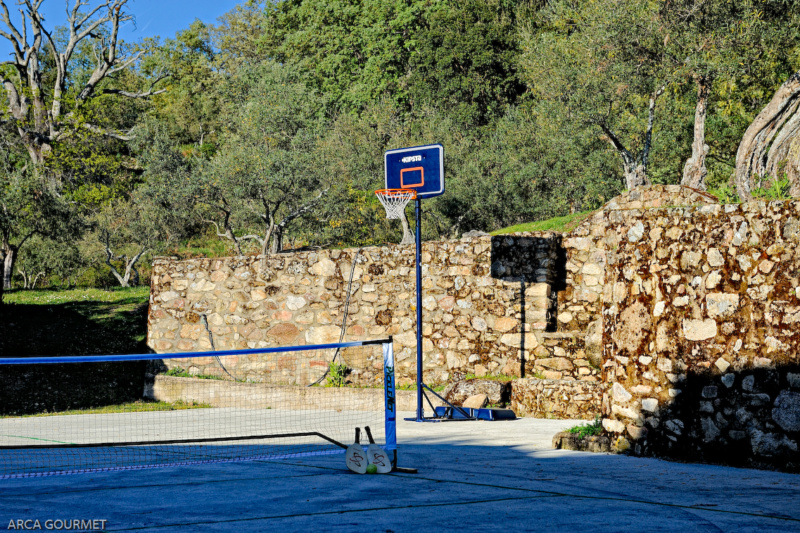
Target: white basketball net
395 200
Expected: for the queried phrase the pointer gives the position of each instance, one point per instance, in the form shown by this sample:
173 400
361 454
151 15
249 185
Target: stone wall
555 398
580 294
487 303
701 337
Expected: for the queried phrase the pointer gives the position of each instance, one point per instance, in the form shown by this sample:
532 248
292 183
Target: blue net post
390 427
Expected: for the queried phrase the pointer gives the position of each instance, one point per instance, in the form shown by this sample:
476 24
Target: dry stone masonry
487 302
701 337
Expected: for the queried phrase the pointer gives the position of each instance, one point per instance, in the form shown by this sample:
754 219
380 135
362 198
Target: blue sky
153 17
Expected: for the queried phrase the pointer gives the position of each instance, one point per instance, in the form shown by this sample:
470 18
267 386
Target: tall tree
190 109
28 207
464 60
580 55
237 36
46 107
455 55
706 41
124 232
267 175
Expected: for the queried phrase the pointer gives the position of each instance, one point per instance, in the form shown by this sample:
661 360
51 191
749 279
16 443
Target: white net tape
395 200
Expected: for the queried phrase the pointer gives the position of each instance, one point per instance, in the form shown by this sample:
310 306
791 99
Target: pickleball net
63 415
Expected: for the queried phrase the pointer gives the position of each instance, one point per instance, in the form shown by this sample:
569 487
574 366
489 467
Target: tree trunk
24 277
783 159
752 155
8 265
635 175
793 168
408 236
635 168
123 280
694 171
134 276
36 279
130 264
277 240
266 249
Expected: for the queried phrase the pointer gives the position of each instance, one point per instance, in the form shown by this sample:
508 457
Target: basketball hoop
395 200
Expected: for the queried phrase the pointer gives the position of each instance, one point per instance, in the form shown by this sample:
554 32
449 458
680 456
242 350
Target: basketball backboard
420 168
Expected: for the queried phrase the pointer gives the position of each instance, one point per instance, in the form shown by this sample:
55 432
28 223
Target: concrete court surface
473 476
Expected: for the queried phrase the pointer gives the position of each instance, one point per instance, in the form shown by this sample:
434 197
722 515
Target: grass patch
74 322
587 430
413 386
139 406
179 372
563 224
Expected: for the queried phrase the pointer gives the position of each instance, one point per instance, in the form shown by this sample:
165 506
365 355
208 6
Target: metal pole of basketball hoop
421 386
418 261
413 174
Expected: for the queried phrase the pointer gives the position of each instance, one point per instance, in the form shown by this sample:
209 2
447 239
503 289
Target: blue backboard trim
428 170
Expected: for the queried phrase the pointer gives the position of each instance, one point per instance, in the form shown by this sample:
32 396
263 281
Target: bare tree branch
130 264
651 114
133 95
16 39
107 132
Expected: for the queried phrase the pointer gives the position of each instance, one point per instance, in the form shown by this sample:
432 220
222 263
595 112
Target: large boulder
497 392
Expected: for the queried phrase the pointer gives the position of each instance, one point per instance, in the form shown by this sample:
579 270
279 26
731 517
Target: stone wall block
715 369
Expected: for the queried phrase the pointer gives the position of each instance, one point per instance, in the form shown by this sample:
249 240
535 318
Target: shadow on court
473 476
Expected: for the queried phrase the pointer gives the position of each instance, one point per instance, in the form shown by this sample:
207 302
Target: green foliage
725 193
778 189
274 121
598 63
30 208
458 56
191 108
337 374
44 263
269 174
140 406
464 60
587 430
561 224
202 245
